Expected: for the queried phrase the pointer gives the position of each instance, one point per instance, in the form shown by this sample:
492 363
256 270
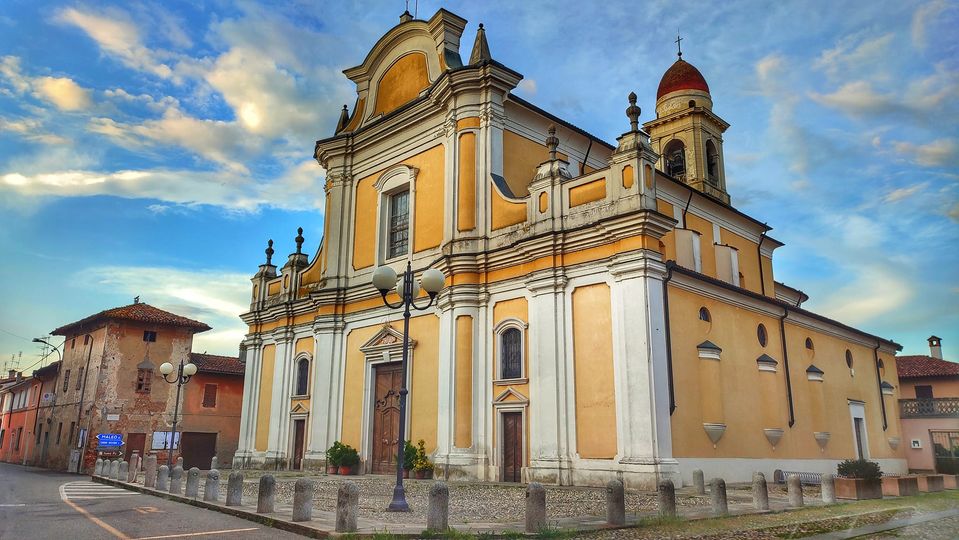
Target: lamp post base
398 504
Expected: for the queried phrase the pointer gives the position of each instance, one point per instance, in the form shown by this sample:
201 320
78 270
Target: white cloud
938 153
856 98
899 194
31 130
63 92
528 85
867 54
10 69
875 291
922 18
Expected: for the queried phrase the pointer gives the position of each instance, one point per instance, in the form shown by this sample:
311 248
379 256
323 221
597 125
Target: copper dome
681 76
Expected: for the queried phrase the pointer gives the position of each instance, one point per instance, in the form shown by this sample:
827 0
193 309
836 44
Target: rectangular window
161 440
399 233
66 380
73 425
149 335
73 343
144 380
59 432
1 437
923 391
209 395
79 378
16 441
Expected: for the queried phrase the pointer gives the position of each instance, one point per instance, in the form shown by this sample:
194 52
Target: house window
149 335
848 359
59 432
809 344
144 381
511 354
302 377
923 391
79 378
209 396
17 437
761 334
704 314
399 224
73 425
675 157
66 380
1 437
73 343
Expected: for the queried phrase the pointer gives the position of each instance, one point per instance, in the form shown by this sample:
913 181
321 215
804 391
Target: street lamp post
183 375
384 279
38 340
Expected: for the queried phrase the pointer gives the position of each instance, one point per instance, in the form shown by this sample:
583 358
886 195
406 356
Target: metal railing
929 408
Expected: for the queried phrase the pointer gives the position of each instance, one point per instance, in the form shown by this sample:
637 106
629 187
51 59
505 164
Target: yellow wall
521 157
589 192
463 436
266 393
364 222
941 386
402 82
466 203
357 115
504 213
628 176
593 371
706 241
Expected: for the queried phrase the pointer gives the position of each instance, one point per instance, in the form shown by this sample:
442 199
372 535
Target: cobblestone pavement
942 529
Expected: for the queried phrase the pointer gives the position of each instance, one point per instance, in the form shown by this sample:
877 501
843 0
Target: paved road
42 504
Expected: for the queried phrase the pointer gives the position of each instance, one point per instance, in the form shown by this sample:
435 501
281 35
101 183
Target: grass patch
550 531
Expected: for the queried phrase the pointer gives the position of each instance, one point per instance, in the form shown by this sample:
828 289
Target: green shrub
859 468
349 457
409 456
334 454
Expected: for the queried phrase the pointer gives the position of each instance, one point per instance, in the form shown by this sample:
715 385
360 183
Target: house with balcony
929 410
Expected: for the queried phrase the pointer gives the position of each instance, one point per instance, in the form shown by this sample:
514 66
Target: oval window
761 334
848 359
809 344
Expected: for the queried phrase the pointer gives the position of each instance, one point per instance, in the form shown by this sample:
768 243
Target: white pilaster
280 402
251 389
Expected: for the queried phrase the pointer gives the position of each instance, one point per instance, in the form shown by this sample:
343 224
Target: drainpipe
759 255
687 206
789 387
882 401
669 347
582 166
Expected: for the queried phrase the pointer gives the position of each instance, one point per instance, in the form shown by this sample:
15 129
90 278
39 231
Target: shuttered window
209 395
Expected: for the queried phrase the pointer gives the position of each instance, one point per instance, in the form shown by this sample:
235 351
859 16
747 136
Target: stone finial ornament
299 240
480 51
552 142
633 112
344 119
269 252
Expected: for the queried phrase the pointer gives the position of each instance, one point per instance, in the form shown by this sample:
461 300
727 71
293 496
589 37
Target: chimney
12 374
935 347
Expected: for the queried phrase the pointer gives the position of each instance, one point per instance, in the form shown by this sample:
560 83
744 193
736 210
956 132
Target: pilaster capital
638 264
550 281
283 335
328 324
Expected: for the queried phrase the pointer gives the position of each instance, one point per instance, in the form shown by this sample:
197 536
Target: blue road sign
110 439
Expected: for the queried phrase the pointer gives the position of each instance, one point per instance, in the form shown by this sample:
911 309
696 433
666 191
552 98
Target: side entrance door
299 436
386 416
512 446
135 443
197 449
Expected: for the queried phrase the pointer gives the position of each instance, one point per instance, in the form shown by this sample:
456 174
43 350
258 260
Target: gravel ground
469 502
943 529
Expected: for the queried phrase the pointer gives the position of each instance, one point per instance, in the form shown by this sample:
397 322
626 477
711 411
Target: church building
607 312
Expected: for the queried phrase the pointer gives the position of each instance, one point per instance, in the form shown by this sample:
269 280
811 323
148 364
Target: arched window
761 334
511 354
675 158
712 163
809 344
848 359
692 103
704 314
302 376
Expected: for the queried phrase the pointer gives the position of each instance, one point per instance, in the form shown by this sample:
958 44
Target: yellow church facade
607 313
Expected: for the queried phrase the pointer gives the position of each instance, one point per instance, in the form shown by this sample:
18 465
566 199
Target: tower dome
681 76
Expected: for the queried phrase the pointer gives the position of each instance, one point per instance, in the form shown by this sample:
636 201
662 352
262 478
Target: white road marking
85 490
9 505
184 535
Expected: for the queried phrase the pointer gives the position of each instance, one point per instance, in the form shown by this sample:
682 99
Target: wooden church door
386 417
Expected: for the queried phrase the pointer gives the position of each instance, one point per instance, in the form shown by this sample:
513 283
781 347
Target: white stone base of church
742 469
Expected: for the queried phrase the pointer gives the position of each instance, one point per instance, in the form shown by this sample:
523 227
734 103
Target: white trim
296 374
395 180
509 407
857 409
742 469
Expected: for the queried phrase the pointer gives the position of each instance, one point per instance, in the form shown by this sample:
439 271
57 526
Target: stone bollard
234 489
266 495
211 490
717 492
114 469
828 489
348 502
699 480
123 472
794 489
98 467
303 499
163 478
176 480
134 468
438 509
667 498
150 472
760 492
193 482
615 503
213 463
535 507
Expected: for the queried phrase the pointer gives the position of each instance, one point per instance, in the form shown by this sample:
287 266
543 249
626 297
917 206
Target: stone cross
760 492
193 482
615 503
699 480
667 498
347 507
828 489
535 507
266 495
176 480
211 490
794 490
98 467
150 472
123 471
163 478
717 491
303 499
234 489
438 510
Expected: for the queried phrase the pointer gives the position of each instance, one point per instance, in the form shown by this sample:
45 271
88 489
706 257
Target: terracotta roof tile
138 312
681 76
211 363
925 366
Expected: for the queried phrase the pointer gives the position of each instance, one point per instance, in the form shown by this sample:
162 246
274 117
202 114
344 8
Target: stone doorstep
321 526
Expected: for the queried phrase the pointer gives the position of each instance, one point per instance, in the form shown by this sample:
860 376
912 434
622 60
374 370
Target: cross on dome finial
552 142
633 112
269 252
299 240
679 45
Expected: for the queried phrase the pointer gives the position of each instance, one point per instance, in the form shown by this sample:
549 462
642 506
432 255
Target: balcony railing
929 408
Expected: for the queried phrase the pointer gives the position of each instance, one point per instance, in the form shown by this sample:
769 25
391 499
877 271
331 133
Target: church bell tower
686 133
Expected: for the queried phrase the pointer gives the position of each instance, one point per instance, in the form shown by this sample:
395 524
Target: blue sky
151 148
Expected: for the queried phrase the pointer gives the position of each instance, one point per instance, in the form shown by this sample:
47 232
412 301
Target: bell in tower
686 133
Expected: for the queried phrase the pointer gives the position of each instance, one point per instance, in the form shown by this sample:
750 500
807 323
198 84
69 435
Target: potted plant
333 455
349 458
858 479
409 458
422 467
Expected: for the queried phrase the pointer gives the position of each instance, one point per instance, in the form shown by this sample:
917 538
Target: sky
151 148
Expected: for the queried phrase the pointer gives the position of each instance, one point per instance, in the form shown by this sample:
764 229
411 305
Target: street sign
110 439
